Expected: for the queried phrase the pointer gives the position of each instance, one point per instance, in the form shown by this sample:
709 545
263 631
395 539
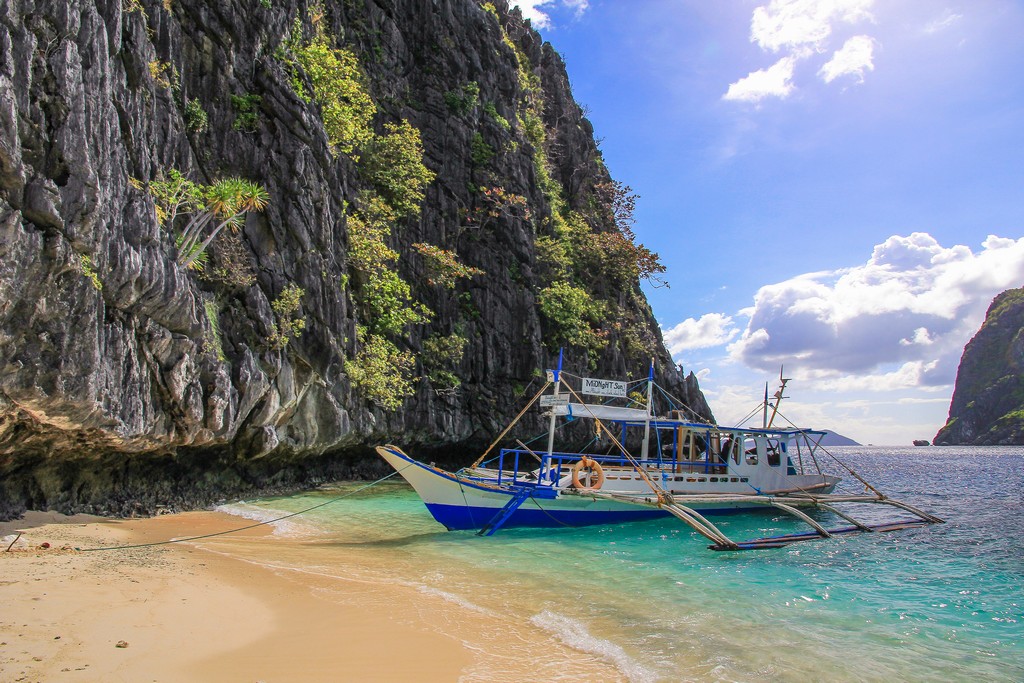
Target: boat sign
549 401
604 387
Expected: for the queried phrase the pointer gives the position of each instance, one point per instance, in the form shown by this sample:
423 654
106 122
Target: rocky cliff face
988 400
129 382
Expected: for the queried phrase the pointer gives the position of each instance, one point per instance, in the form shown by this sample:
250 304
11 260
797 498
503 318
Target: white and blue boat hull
460 503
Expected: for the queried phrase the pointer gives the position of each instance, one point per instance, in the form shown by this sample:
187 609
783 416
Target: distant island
836 439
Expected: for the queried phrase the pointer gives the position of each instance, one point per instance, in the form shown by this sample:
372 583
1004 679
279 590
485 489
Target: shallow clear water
942 602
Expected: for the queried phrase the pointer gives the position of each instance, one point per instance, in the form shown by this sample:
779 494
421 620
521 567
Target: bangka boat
683 467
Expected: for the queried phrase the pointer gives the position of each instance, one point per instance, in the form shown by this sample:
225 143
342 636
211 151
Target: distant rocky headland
988 400
836 439
242 242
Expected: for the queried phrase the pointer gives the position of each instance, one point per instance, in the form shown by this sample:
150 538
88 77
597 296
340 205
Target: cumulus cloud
803 29
899 320
854 58
539 18
797 24
775 81
713 329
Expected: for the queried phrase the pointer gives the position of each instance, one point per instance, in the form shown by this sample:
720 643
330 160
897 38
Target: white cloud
775 81
853 59
539 18
802 29
909 375
899 320
921 336
947 19
580 6
713 329
793 24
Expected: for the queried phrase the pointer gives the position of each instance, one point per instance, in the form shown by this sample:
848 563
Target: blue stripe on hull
461 517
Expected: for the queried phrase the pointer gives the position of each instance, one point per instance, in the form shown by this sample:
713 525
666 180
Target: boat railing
519 466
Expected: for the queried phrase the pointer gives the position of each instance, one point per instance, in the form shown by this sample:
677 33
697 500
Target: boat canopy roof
601 411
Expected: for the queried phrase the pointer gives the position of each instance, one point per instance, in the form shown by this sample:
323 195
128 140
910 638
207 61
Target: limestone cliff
988 400
129 381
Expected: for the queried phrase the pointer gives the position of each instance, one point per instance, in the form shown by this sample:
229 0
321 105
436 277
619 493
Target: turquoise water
942 602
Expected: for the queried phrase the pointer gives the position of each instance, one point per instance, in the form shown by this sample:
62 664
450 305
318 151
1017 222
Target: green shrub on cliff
222 204
289 325
337 82
214 338
481 153
463 100
492 112
444 266
85 264
381 372
247 108
571 311
392 305
225 204
394 164
389 303
196 118
440 355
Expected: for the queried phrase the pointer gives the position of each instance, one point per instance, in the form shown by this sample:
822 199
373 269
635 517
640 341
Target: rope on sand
243 528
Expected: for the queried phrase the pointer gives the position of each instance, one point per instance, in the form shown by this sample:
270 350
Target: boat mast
764 408
783 381
647 420
557 379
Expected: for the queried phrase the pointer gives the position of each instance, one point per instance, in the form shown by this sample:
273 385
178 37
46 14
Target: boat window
772 452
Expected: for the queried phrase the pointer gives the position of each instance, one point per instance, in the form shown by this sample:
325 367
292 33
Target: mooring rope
250 526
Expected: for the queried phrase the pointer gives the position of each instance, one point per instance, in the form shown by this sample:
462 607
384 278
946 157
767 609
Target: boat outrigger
686 467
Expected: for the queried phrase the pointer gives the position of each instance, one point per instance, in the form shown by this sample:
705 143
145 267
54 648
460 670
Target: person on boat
726 449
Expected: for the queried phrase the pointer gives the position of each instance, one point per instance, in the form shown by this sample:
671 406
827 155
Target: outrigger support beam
848 518
700 524
802 515
910 508
679 507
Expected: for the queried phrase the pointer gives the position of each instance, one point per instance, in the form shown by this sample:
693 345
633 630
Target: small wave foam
457 599
283 527
574 634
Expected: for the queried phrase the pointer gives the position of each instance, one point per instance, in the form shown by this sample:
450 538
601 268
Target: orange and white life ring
587 475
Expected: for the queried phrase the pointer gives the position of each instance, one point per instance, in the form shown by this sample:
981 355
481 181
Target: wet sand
182 613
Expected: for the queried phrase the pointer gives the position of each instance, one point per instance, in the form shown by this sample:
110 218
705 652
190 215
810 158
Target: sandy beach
181 613
223 609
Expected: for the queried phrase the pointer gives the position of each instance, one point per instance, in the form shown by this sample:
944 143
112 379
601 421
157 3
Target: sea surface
939 603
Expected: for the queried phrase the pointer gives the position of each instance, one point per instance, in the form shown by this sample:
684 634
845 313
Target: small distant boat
684 467
922 442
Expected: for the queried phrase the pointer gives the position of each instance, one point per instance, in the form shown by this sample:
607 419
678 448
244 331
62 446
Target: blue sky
836 185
